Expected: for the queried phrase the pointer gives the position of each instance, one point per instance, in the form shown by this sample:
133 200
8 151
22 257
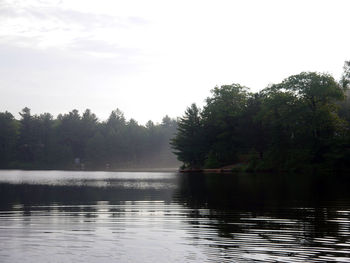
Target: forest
81 141
300 124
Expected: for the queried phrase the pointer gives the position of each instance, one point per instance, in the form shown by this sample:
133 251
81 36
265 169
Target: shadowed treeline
300 123
82 141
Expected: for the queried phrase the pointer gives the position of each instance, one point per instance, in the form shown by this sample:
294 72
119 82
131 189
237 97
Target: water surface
65 216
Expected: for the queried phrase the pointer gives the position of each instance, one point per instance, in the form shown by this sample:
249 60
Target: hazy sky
151 58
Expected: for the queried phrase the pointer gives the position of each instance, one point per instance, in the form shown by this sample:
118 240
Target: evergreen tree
188 142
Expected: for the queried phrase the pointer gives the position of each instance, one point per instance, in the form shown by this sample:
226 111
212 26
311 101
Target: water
61 216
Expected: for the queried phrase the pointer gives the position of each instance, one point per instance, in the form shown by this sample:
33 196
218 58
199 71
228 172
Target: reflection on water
61 216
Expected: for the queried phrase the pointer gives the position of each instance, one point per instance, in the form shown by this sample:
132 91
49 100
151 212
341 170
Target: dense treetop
302 122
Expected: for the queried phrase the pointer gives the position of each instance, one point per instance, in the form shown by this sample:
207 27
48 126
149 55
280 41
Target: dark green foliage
302 118
8 136
189 141
222 117
42 142
293 125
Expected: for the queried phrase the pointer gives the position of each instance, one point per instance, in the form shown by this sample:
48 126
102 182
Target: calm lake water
65 216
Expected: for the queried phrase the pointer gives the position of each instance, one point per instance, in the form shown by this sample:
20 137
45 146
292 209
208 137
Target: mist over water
169 217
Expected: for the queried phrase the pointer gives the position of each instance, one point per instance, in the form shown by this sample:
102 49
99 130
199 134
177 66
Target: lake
77 216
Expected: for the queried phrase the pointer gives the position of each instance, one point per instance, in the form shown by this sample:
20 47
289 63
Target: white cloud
152 58
52 25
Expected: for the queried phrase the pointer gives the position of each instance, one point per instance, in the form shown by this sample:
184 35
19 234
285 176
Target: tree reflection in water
272 217
176 217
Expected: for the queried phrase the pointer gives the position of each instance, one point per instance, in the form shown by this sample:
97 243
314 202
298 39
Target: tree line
75 140
301 123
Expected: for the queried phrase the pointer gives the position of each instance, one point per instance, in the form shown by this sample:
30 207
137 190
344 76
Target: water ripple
156 220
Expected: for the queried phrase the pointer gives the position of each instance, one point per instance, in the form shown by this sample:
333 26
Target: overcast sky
151 58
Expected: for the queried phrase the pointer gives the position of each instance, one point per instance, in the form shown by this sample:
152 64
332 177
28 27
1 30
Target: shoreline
98 170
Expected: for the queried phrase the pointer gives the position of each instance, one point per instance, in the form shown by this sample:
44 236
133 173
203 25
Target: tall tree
26 140
188 142
221 120
8 138
345 79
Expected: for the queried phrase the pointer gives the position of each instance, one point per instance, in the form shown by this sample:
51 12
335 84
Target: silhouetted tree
188 142
8 138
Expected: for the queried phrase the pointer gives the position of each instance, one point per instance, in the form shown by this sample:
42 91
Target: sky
152 58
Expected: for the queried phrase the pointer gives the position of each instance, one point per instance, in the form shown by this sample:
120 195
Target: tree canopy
290 125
